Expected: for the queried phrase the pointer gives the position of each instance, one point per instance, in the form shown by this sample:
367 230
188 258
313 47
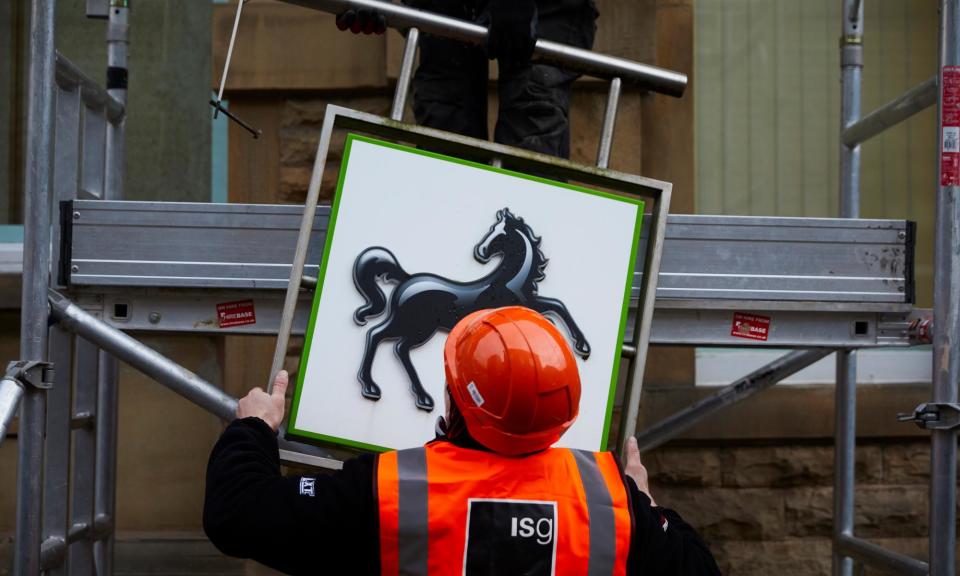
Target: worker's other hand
267 407
512 31
362 21
636 470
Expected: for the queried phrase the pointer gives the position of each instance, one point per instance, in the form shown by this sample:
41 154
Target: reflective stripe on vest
603 551
427 495
412 511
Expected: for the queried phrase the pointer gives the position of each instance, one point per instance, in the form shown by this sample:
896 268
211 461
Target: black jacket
252 511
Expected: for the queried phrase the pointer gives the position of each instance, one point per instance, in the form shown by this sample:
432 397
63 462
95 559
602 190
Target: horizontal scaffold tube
69 77
758 380
892 113
143 358
591 63
879 557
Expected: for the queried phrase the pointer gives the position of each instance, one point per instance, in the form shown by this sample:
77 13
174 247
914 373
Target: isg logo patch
516 537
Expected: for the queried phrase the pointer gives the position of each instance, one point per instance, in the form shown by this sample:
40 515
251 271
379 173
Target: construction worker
488 496
450 85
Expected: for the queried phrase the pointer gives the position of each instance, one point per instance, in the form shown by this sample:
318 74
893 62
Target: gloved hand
362 21
513 31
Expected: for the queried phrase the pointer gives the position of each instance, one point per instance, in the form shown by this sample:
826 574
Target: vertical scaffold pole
105 480
406 74
609 122
946 296
36 266
845 422
118 33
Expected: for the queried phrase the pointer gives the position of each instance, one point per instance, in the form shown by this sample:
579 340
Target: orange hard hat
513 377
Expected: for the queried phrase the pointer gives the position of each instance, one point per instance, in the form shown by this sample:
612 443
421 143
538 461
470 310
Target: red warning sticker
950 131
236 313
750 326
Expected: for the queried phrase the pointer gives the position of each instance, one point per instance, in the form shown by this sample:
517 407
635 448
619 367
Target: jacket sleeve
298 524
663 544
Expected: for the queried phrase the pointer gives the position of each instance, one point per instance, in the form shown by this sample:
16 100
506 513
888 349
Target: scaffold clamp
34 373
934 416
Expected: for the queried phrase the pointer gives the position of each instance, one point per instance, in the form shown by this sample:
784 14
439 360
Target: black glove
362 21
513 31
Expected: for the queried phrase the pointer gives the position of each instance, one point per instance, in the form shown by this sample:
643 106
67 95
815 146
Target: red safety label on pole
236 313
950 127
750 326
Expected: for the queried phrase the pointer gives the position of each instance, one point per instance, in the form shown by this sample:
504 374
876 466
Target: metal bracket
34 373
934 416
851 51
219 107
99 9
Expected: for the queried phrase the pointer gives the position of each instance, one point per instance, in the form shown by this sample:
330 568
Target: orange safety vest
446 510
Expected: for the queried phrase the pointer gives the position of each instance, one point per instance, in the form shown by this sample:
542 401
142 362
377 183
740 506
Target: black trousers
450 85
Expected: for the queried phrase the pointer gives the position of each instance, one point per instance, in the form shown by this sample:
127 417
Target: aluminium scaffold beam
816 282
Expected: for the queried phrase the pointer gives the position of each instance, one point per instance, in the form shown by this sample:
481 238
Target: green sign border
292 430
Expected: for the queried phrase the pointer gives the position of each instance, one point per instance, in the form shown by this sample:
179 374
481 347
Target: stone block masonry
769 509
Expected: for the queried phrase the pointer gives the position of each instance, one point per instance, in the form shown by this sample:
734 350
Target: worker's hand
362 21
512 31
267 407
636 470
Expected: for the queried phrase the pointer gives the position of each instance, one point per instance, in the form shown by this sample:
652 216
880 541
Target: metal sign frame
549 211
655 193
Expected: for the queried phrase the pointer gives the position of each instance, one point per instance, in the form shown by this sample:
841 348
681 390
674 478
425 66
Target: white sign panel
417 241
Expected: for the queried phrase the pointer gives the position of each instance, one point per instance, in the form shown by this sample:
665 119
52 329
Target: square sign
411 231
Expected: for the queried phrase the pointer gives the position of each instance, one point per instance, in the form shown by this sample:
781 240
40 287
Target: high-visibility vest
446 510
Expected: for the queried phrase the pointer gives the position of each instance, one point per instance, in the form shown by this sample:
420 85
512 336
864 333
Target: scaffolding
66 386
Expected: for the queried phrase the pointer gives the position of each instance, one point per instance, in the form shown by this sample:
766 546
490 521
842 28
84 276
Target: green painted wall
899 178
767 93
168 126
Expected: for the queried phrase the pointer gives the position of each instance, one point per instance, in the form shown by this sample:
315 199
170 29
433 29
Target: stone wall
300 120
768 509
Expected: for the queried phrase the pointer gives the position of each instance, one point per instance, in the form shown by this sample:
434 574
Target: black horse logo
423 303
